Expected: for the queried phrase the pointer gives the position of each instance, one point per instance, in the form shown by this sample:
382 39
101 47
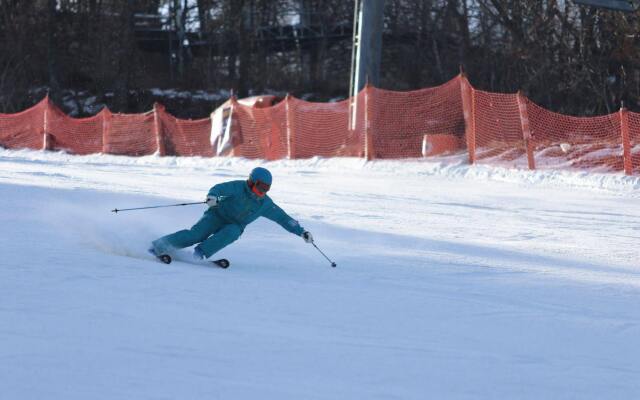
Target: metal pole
355 53
366 53
333 264
146 208
369 44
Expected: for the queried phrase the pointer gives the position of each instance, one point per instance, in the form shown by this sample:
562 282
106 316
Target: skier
232 206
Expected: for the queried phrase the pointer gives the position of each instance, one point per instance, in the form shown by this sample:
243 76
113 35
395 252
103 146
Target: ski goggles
260 188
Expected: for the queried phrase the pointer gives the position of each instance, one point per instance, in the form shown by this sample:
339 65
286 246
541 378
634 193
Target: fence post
232 136
158 132
46 137
526 129
469 112
290 139
626 141
106 129
368 134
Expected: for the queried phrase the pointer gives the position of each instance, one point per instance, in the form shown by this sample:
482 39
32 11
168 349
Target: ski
222 263
166 259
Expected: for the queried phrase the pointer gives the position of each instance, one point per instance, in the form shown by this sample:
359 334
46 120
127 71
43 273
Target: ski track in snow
453 281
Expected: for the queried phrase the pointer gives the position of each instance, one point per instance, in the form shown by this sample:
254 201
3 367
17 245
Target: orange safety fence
75 135
322 129
498 130
511 130
24 129
400 120
261 132
633 152
130 134
562 141
493 128
179 137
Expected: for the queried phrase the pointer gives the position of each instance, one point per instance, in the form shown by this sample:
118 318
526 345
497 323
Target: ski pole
146 208
325 256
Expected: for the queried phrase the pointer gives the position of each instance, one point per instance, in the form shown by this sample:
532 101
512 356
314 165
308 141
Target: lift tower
368 18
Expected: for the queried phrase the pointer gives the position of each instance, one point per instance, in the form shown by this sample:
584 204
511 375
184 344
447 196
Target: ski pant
210 231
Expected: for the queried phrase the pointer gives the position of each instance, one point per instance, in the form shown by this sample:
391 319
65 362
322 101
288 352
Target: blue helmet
260 180
261 174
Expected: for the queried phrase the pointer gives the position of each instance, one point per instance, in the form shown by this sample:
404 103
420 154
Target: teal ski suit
221 225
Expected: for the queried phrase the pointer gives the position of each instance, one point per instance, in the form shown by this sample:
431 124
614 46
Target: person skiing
232 206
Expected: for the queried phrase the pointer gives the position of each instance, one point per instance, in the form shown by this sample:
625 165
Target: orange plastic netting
130 134
511 130
24 129
562 141
74 135
400 120
183 137
500 129
323 129
261 132
634 143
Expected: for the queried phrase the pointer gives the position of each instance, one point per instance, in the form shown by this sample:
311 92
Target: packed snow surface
453 282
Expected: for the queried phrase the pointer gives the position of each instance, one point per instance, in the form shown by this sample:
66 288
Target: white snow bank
454 167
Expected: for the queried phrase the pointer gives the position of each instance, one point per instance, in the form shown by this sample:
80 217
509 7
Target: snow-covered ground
453 282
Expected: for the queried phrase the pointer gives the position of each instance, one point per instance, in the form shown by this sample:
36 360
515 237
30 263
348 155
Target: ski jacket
240 206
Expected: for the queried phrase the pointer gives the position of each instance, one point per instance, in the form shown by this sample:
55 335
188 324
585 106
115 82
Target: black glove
306 235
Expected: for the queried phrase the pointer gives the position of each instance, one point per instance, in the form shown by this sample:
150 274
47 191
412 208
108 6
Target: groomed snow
453 282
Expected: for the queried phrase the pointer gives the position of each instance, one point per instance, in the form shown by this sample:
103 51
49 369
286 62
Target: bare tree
569 58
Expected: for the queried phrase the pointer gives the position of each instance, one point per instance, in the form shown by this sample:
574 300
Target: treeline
569 58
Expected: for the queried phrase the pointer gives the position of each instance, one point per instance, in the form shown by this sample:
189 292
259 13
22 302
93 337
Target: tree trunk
54 85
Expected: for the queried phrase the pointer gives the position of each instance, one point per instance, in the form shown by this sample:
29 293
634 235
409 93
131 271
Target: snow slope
453 281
